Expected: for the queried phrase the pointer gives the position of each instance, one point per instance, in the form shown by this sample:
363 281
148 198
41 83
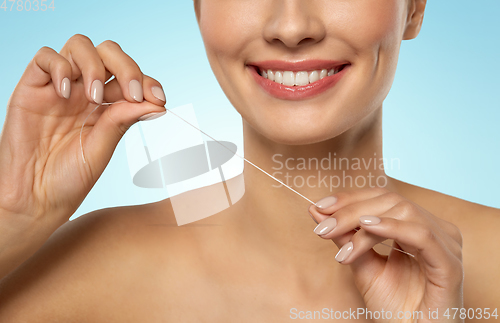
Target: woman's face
297 42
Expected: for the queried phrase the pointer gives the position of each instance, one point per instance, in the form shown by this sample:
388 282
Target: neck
276 217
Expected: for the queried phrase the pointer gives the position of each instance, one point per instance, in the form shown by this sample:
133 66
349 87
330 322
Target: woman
257 261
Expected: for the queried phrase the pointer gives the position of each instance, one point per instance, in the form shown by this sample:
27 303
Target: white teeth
278 77
288 78
301 78
313 76
270 75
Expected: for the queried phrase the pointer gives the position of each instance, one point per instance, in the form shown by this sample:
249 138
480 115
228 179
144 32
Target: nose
294 23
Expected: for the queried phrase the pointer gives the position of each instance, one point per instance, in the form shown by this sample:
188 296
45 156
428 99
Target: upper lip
297 66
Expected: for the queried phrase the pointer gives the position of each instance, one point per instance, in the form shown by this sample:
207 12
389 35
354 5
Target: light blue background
440 118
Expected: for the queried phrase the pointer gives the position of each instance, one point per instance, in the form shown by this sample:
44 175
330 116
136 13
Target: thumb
100 143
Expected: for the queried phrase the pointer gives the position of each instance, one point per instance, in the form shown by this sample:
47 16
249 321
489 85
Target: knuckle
63 65
406 208
45 50
427 234
392 197
67 66
79 38
110 44
342 195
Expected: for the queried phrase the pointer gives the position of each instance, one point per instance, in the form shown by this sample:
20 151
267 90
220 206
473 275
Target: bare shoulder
94 262
480 227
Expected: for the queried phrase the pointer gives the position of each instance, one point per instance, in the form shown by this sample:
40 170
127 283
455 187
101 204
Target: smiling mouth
301 78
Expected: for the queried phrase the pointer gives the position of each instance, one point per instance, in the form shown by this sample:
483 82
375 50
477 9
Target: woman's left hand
431 280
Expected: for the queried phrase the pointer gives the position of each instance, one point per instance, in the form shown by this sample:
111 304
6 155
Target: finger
85 61
347 217
362 242
113 91
153 91
100 143
47 65
364 266
317 216
410 212
442 268
416 238
332 203
124 68
339 239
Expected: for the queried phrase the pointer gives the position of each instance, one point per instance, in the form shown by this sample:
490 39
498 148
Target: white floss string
249 162
83 155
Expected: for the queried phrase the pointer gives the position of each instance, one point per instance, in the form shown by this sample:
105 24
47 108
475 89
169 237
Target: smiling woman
296 36
309 79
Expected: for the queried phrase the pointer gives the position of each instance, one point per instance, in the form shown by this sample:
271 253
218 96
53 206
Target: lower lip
296 93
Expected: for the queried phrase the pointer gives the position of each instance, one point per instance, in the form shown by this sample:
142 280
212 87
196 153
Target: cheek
372 30
227 26
367 24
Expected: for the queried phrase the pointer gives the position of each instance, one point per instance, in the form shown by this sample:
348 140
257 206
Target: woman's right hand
42 172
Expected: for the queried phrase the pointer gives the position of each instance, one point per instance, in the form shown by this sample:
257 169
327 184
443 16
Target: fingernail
325 226
66 88
344 252
369 219
158 93
326 202
97 91
151 116
135 90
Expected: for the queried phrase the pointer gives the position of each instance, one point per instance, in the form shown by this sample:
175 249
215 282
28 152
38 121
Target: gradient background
440 118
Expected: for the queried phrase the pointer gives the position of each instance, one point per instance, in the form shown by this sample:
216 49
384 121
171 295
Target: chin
296 133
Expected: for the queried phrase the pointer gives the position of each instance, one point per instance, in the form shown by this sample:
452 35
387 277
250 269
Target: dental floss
257 167
83 155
